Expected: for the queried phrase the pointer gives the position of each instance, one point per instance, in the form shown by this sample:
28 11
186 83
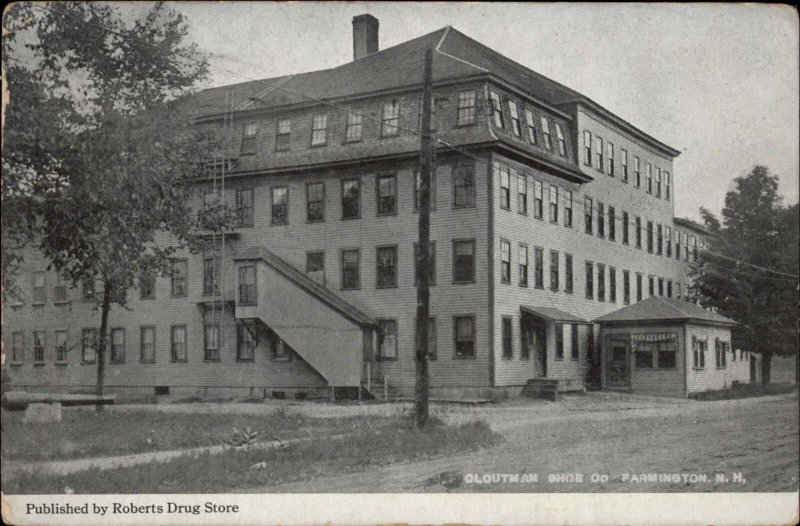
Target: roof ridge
676 307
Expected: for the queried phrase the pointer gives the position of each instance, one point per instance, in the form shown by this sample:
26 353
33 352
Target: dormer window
466 108
513 111
560 140
548 139
497 110
531 122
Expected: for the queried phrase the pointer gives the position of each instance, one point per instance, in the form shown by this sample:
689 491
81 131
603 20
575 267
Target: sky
717 82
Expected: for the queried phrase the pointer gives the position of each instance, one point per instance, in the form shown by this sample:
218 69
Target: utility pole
423 251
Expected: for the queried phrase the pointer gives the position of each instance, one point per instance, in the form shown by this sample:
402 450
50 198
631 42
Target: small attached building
666 346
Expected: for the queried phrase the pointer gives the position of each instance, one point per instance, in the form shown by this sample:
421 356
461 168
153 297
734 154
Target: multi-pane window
431 264
554 270
561 140
668 240
694 248
623 159
658 182
651 285
610 155
211 342
677 244
351 199
247 285
179 269
59 290
637 172
61 346
538 204
669 288
315 202
598 147
464 261
568 208
38 346
18 347
283 136
353 127
601 282
249 137
659 239
507 337
351 269
464 336
211 270
147 344
685 246
505 261
315 266
639 286
553 204
601 220
587 147
568 281
548 139
530 120
505 186
649 177
575 355
432 339
118 345
387 194
466 108
559 329
319 129
89 346
386 267
612 284
244 207
625 227
538 268
588 214
638 232
612 223
589 280
280 205
699 351
418 190
522 193
390 118
147 285
497 109
245 343
513 112
626 287
463 186
178 343
387 340
650 237
39 288
666 185
522 257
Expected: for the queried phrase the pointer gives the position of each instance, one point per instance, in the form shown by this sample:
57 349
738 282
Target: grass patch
743 391
86 433
394 440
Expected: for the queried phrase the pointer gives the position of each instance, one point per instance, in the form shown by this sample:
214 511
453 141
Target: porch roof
659 308
552 314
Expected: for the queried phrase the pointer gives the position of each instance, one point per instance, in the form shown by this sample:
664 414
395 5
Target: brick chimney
365 36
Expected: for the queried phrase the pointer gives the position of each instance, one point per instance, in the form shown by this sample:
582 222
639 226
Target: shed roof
659 308
552 314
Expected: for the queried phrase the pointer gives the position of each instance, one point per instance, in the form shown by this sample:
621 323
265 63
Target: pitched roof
659 308
309 285
552 314
693 225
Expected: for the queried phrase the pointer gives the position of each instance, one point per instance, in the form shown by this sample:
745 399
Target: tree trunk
766 367
102 344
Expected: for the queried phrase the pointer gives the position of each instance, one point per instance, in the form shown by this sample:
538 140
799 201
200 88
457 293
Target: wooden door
618 363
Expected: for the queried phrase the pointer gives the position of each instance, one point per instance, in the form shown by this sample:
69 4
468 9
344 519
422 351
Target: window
601 220
649 175
211 271
387 194
522 259
548 140
667 353
666 185
553 204
587 147
178 340
677 290
554 270
245 343
650 237
638 286
61 346
522 193
18 347
244 207
612 224
507 337
147 344
588 211
280 205
432 261
530 120
386 271
538 204
432 339
575 355
598 147
505 186
433 122
559 328
660 286
117 345
721 351
315 202
247 285
88 286
466 108
418 191
589 280
89 346
538 268
694 248
497 110
352 127
626 287
351 269
59 290
601 282
651 285
464 261
315 266
668 240
283 135
279 350
513 111
699 352
612 284
39 288
351 199
658 182
387 340
505 261
669 288
610 155
390 119
638 232
319 130
624 163
249 135
659 239
211 339
568 273
561 141
464 336
179 271
643 355
625 228
38 346
147 285
637 172
463 186
525 341
568 208
685 246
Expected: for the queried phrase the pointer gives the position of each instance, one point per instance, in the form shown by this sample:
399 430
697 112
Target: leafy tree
100 156
756 233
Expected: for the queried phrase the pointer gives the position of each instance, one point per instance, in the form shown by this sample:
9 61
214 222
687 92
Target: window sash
179 272
386 271
351 199
387 194
463 186
497 110
353 127
245 344
61 346
315 202
466 108
505 261
319 130
418 192
432 263
117 345
351 269
247 285
464 337
548 140
244 207
178 340
211 341
390 119
464 261
38 346
522 262
568 276
513 111
554 271
562 143
538 268
387 340
280 205
530 120
147 344
88 341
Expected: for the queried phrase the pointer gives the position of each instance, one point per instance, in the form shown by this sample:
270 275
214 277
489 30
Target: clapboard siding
712 377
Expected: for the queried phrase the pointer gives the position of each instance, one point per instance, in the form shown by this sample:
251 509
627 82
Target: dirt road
632 441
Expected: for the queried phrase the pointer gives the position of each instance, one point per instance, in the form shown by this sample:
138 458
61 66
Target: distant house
665 346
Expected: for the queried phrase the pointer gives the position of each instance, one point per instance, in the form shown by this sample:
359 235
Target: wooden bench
19 401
